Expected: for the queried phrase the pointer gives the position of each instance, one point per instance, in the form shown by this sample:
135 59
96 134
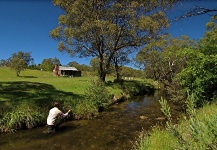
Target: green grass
38 87
75 85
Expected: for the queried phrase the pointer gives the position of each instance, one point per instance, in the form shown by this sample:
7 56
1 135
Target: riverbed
116 128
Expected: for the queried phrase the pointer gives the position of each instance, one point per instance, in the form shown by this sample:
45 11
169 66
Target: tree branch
196 12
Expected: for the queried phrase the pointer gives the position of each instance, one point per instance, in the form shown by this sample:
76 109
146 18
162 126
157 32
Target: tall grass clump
24 115
81 108
85 110
156 139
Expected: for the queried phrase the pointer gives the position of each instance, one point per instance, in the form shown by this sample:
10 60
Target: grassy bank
26 100
197 132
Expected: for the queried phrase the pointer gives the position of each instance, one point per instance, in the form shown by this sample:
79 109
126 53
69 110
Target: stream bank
116 128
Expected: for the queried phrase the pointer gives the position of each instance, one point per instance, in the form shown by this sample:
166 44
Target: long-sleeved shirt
54 113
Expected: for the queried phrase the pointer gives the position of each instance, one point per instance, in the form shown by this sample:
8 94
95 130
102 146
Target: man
54 115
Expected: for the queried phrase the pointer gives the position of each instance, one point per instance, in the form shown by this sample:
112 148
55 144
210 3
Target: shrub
137 88
200 78
97 94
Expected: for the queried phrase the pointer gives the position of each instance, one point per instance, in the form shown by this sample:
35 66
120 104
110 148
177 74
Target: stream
116 128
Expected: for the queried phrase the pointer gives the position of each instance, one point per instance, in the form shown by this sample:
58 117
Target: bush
97 94
134 88
200 77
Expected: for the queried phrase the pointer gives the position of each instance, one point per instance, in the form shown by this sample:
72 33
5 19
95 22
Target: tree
49 63
74 64
20 61
3 62
164 57
103 28
199 78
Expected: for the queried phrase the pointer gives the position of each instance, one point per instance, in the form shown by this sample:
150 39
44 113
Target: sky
25 26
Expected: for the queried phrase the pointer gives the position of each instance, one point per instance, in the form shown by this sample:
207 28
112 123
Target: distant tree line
23 60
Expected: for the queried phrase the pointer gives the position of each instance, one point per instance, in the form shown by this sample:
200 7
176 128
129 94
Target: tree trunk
102 75
18 73
101 70
118 75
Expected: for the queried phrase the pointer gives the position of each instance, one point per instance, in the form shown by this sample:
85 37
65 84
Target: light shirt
54 113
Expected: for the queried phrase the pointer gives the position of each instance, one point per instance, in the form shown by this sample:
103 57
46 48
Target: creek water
116 128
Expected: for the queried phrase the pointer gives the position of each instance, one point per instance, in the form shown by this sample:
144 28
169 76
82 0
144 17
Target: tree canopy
102 28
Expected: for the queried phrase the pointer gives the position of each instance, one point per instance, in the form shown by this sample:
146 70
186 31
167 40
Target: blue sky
25 26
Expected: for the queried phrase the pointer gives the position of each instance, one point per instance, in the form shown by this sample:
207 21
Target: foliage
24 115
3 62
164 57
120 59
19 61
165 108
97 94
81 67
134 87
95 65
82 108
85 109
190 105
200 77
49 63
101 29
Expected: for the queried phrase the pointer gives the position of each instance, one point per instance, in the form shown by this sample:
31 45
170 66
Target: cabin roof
67 68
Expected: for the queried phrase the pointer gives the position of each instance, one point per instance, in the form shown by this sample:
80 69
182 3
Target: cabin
66 71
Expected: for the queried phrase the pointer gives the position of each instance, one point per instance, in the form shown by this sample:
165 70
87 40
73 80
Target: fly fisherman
54 116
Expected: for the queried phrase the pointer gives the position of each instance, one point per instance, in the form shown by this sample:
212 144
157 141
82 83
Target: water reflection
116 128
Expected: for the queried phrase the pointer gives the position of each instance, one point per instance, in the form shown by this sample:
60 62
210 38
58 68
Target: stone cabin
66 71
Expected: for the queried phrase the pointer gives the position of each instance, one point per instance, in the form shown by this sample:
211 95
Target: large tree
101 28
19 61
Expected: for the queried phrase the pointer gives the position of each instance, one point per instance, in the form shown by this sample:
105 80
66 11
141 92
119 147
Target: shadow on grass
38 93
28 77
